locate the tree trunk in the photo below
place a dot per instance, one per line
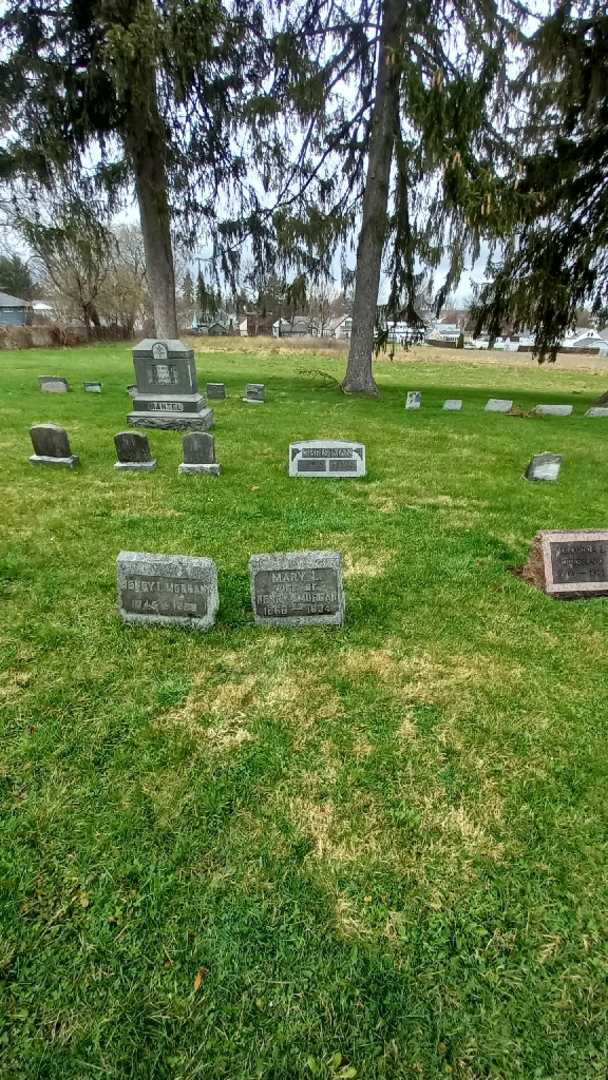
(359, 377)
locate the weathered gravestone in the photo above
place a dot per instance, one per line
(132, 390)
(297, 588)
(167, 393)
(53, 384)
(331, 458)
(167, 590)
(255, 394)
(544, 467)
(452, 405)
(199, 454)
(216, 391)
(92, 387)
(133, 451)
(598, 411)
(498, 405)
(413, 399)
(553, 410)
(569, 565)
(52, 446)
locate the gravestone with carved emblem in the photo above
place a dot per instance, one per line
(167, 391)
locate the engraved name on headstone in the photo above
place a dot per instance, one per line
(133, 451)
(297, 588)
(413, 399)
(199, 455)
(216, 391)
(329, 458)
(498, 405)
(52, 446)
(544, 467)
(553, 410)
(167, 590)
(53, 384)
(452, 405)
(255, 393)
(167, 392)
(570, 565)
(92, 387)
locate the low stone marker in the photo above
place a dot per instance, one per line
(132, 390)
(216, 391)
(597, 411)
(167, 590)
(53, 384)
(330, 458)
(498, 405)
(553, 410)
(569, 565)
(255, 394)
(133, 452)
(52, 446)
(413, 399)
(452, 405)
(297, 588)
(92, 387)
(199, 454)
(544, 467)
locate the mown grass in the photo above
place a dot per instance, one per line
(377, 851)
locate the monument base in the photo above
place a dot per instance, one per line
(191, 469)
(146, 466)
(173, 421)
(63, 462)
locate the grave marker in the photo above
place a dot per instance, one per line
(92, 387)
(167, 393)
(413, 399)
(199, 455)
(598, 411)
(52, 446)
(255, 394)
(569, 565)
(498, 405)
(53, 384)
(452, 405)
(133, 451)
(329, 458)
(167, 590)
(297, 588)
(544, 467)
(553, 410)
(216, 391)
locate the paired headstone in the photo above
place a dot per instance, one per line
(297, 588)
(544, 467)
(499, 405)
(167, 394)
(167, 590)
(569, 565)
(553, 410)
(199, 454)
(133, 451)
(92, 387)
(53, 384)
(216, 391)
(52, 446)
(597, 411)
(328, 458)
(255, 393)
(413, 399)
(452, 405)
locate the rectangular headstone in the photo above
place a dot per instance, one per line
(329, 458)
(297, 588)
(92, 387)
(598, 411)
(167, 390)
(255, 393)
(544, 467)
(553, 410)
(452, 405)
(133, 451)
(199, 455)
(570, 565)
(216, 391)
(499, 405)
(413, 399)
(53, 384)
(167, 590)
(52, 446)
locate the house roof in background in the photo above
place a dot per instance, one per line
(6, 300)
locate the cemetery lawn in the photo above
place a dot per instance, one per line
(376, 852)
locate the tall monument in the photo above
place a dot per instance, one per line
(167, 392)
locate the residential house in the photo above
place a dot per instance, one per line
(299, 326)
(14, 312)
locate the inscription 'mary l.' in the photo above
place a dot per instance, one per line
(328, 458)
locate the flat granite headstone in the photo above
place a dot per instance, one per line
(52, 446)
(255, 393)
(216, 391)
(598, 411)
(167, 590)
(53, 384)
(330, 458)
(297, 588)
(167, 391)
(133, 451)
(554, 410)
(544, 467)
(413, 399)
(92, 387)
(199, 455)
(569, 565)
(498, 405)
(452, 405)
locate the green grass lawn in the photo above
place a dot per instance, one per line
(378, 851)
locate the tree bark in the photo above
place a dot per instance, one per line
(359, 377)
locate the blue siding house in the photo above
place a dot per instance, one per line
(13, 312)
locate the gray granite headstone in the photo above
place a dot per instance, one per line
(598, 411)
(133, 452)
(167, 590)
(52, 446)
(199, 455)
(544, 467)
(553, 410)
(216, 391)
(452, 405)
(53, 384)
(297, 588)
(498, 405)
(570, 565)
(255, 393)
(413, 399)
(92, 387)
(329, 458)
(167, 391)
